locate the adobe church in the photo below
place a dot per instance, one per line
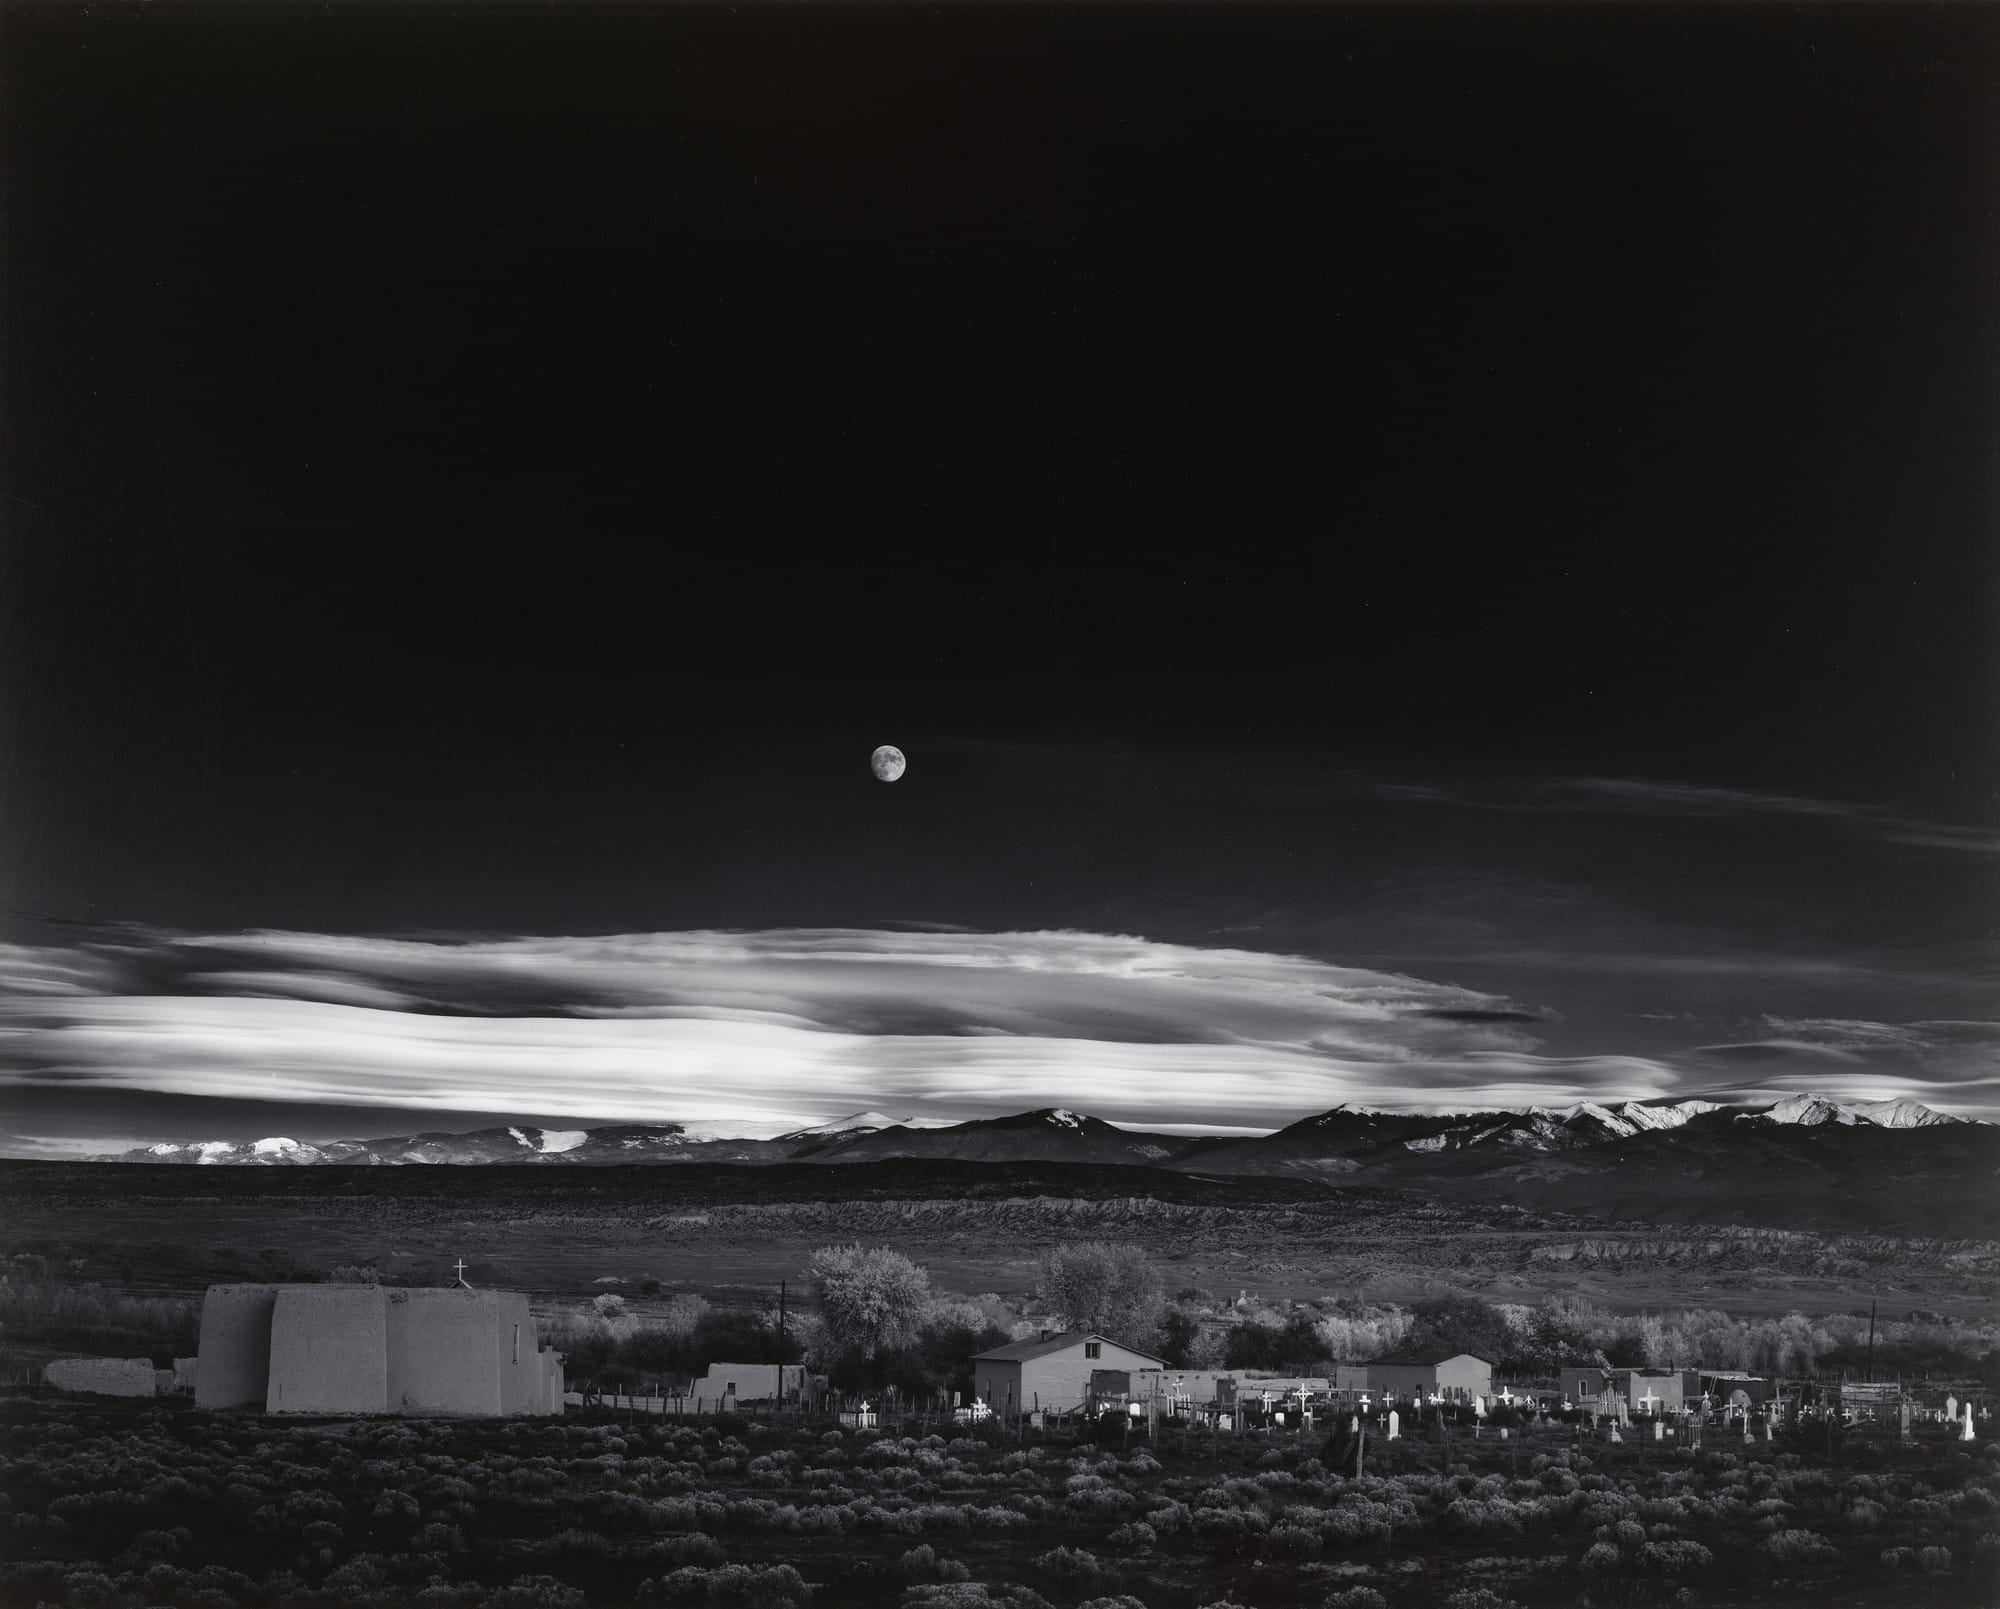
(341, 1349)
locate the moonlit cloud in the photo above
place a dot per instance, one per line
(768, 1030)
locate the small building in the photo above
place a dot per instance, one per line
(750, 1382)
(1454, 1376)
(1723, 1386)
(1657, 1391)
(1583, 1382)
(368, 1349)
(1052, 1372)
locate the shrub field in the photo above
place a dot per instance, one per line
(111, 1504)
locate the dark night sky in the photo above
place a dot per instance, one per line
(1500, 495)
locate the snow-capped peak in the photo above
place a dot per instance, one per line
(1670, 1116)
(555, 1141)
(1890, 1114)
(858, 1120)
(1810, 1110)
(1900, 1114)
(276, 1146)
(1067, 1119)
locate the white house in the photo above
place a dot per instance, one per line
(1054, 1371)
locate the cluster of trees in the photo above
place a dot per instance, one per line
(54, 1304)
(873, 1320)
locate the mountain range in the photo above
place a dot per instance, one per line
(1347, 1139)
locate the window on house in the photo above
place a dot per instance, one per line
(1093, 1349)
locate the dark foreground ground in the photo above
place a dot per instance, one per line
(111, 1504)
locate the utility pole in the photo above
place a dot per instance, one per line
(781, 1321)
(1871, 1338)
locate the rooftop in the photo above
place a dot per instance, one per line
(1022, 1351)
(1423, 1360)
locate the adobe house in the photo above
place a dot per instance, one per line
(1657, 1391)
(341, 1349)
(1454, 1376)
(1052, 1372)
(751, 1382)
(1724, 1385)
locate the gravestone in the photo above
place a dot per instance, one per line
(1396, 1425)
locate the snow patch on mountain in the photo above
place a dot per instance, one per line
(1813, 1110)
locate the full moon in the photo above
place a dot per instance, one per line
(887, 762)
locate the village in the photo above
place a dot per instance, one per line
(870, 1440)
(364, 1348)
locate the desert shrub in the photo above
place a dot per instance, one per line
(1354, 1598)
(925, 1563)
(1479, 1598)
(1134, 1534)
(1123, 1600)
(1676, 1556)
(1799, 1553)
(971, 1595)
(536, 1592)
(730, 1586)
(1291, 1544)
(1934, 1561)
(1603, 1558)
(1073, 1567)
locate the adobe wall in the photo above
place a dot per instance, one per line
(329, 1350)
(755, 1382)
(184, 1373)
(449, 1349)
(235, 1348)
(107, 1377)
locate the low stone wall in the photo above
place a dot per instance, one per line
(107, 1377)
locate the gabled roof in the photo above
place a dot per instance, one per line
(1423, 1360)
(1022, 1351)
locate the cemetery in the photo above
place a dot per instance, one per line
(139, 1502)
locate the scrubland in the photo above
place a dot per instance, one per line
(111, 1505)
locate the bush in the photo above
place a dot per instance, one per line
(1070, 1566)
(1354, 1598)
(1674, 1557)
(925, 1563)
(731, 1586)
(1800, 1553)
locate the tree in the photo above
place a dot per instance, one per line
(872, 1301)
(1295, 1346)
(1113, 1289)
(1460, 1324)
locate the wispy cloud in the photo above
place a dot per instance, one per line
(1655, 797)
(793, 1026)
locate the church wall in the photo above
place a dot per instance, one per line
(329, 1350)
(235, 1347)
(446, 1350)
